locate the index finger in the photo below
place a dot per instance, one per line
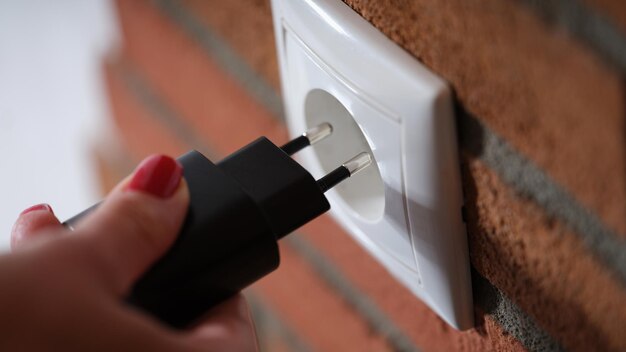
(135, 225)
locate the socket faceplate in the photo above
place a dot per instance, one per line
(406, 208)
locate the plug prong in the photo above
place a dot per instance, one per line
(318, 132)
(358, 163)
(308, 138)
(347, 169)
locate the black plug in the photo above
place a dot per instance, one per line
(239, 208)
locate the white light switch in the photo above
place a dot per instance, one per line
(405, 209)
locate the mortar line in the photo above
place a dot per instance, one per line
(358, 300)
(224, 55)
(362, 304)
(166, 116)
(516, 170)
(264, 316)
(496, 304)
(590, 26)
(511, 317)
(159, 109)
(374, 317)
(502, 313)
(530, 181)
(507, 314)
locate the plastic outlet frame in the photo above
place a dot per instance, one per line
(406, 209)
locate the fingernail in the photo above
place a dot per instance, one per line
(158, 175)
(42, 206)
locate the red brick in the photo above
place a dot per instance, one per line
(157, 64)
(612, 10)
(406, 311)
(542, 266)
(547, 94)
(535, 101)
(195, 86)
(134, 123)
(265, 125)
(294, 291)
(246, 26)
(310, 307)
(111, 165)
(428, 331)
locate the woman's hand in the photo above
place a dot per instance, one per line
(64, 290)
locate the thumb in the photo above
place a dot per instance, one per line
(31, 225)
(136, 223)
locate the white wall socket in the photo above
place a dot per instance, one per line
(405, 209)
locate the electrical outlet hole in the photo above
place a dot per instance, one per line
(364, 193)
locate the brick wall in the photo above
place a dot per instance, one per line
(541, 105)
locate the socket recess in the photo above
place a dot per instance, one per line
(405, 209)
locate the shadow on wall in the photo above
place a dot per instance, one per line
(554, 314)
(624, 113)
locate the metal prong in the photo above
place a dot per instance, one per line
(308, 138)
(358, 163)
(344, 171)
(318, 132)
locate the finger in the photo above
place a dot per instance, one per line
(228, 326)
(136, 223)
(108, 326)
(33, 223)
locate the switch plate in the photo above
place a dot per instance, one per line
(406, 208)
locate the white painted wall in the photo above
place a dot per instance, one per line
(52, 103)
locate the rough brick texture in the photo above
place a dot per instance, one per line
(613, 10)
(557, 102)
(529, 82)
(289, 286)
(246, 33)
(534, 259)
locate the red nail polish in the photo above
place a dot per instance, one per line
(42, 206)
(158, 175)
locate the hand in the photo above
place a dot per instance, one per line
(64, 290)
